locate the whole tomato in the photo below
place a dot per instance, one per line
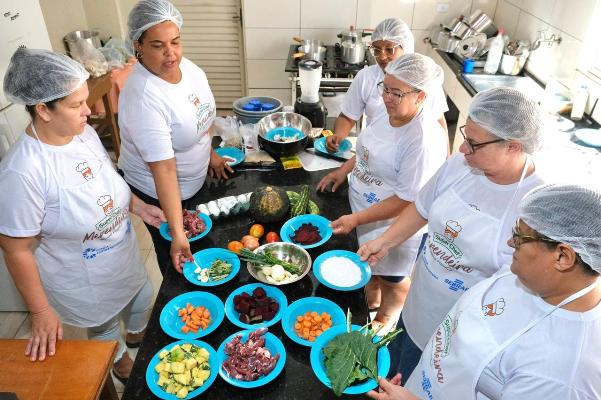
(272, 237)
(257, 231)
(235, 246)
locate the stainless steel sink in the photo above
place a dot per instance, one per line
(523, 83)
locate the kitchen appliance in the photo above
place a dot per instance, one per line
(353, 52)
(309, 103)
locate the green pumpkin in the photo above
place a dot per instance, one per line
(269, 204)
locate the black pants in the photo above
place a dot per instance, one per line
(161, 245)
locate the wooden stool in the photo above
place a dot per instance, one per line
(100, 88)
(79, 370)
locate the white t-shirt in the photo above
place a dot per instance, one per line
(160, 120)
(363, 96)
(479, 192)
(558, 359)
(27, 180)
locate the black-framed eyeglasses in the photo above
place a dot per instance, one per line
(519, 239)
(396, 96)
(473, 146)
(379, 51)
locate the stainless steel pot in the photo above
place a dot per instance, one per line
(353, 53)
(312, 52)
(354, 35)
(77, 40)
(482, 23)
(463, 30)
(446, 42)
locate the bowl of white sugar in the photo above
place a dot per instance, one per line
(341, 270)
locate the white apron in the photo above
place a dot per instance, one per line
(370, 183)
(90, 264)
(463, 345)
(461, 250)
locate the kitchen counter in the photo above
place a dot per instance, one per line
(297, 380)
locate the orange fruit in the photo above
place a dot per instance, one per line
(235, 246)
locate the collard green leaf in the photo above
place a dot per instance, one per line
(339, 364)
(366, 352)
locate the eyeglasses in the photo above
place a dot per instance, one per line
(519, 239)
(387, 51)
(396, 96)
(473, 146)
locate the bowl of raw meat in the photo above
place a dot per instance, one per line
(307, 231)
(196, 226)
(249, 359)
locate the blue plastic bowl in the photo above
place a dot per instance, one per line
(273, 292)
(164, 228)
(320, 145)
(272, 343)
(205, 258)
(152, 376)
(317, 361)
(287, 132)
(231, 152)
(172, 324)
(323, 224)
(300, 307)
(363, 266)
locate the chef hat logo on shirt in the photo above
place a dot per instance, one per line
(85, 170)
(496, 308)
(452, 229)
(106, 202)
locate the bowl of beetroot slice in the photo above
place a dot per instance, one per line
(255, 306)
(307, 231)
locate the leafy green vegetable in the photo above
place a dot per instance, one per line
(352, 356)
(267, 258)
(219, 270)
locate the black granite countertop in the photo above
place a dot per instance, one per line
(297, 380)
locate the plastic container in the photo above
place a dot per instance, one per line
(250, 110)
(468, 65)
(579, 98)
(495, 52)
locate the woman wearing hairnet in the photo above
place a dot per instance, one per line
(396, 155)
(469, 206)
(391, 39)
(532, 332)
(65, 230)
(165, 111)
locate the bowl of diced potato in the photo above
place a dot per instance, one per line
(182, 370)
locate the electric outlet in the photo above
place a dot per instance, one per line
(442, 7)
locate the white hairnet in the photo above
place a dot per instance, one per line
(416, 70)
(39, 76)
(569, 214)
(509, 114)
(396, 31)
(148, 13)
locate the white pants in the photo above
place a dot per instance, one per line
(134, 316)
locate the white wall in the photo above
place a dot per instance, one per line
(573, 21)
(62, 17)
(269, 26)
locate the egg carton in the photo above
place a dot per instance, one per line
(226, 206)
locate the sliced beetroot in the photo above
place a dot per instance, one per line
(306, 234)
(255, 308)
(259, 293)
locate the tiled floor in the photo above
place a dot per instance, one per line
(17, 325)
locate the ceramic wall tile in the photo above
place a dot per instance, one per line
(267, 74)
(426, 14)
(486, 6)
(328, 36)
(271, 14)
(576, 21)
(507, 16)
(419, 36)
(541, 9)
(268, 44)
(371, 12)
(328, 14)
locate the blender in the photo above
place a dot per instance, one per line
(309, 104)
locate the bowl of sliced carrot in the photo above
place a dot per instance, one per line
(306, 319)
(192, 315)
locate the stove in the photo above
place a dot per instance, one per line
(333, 67)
